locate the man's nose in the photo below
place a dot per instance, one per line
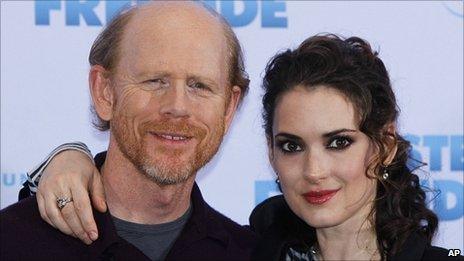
(175, 101)
(315, 169)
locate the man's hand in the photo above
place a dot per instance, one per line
(73, 175)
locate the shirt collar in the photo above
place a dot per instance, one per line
(206, 219)
(202, 223)
(107, 235)
(108, 240)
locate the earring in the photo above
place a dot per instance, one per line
(277, 180)
(385, 174)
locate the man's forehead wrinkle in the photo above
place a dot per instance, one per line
(174, 60)
(173, 69)
(135, 76)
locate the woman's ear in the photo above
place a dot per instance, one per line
(101, 92)
(390, 144)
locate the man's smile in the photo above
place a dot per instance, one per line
(172, 138)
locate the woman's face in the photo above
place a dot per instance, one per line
(321, 157)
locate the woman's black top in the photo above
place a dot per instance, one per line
(283, 233)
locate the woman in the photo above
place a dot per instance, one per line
(330, 121)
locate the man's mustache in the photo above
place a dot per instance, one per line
(181, 128)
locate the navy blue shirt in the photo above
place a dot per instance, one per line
(207, 235)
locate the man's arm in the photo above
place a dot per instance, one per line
(68, 172)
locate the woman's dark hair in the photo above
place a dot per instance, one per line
(352, 68)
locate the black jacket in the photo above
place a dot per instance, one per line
(208, 235)
(280, 228)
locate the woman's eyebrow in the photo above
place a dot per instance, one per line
(337, 131)
(288, 136)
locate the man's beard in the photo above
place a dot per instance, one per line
(164, 166)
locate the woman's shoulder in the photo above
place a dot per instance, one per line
(433, 253)
(269, 212)
(417, 247)
(279, 228)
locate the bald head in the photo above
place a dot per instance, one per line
(171, 34)
(163, 16)
(193, 12)
(182, 27)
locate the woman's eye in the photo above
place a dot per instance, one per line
(339, 143)
(290, 147)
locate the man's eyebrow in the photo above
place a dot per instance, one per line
(335, 132)
(161, 74)
(288, 136)
(207, 80)
(147, 74)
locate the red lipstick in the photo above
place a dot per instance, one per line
(320, 197)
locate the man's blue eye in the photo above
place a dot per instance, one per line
(198, 85)
(158, 80)
(290, 147)
(339, 143)
(156, 83)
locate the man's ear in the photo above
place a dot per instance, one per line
(232, 106)
(390, 143)
(101, 92)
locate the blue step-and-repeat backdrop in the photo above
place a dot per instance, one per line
(45, 100)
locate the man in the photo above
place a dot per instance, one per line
(165, 79)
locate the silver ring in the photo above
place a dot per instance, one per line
(61, 202)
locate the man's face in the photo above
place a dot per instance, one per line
(171, 94)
